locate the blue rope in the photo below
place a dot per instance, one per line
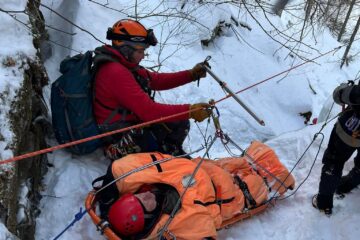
(78, 216)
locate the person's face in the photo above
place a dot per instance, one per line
(147, 199)
(138, 55)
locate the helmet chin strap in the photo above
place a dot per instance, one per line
(126, 50)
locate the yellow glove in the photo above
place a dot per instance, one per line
(198, 71)
(201, 113)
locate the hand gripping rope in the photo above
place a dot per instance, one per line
(61, 146)
(225, 139)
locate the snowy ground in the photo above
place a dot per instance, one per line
(278, 102)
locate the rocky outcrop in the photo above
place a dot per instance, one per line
(20, 182)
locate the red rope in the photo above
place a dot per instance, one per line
(278, 74)
(50, 149)
(47, 150)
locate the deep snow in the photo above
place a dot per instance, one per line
(278, 102)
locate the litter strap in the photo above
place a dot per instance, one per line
(244, 188)
(77, 218)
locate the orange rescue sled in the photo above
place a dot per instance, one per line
(260, 156)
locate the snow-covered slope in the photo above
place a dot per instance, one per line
(16, 46)
(278, 102)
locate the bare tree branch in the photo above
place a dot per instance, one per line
(67, 20)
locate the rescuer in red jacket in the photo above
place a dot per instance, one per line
(124, 95)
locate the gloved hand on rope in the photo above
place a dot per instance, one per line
(198, 71)
(203, 111)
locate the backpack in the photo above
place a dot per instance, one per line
(72, 100)
(72, 103)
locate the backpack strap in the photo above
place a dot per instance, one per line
(143, 82)
(104, 56)
(114, 111)
(68, 124)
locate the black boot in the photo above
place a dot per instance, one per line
(323, 203)
(349, 182)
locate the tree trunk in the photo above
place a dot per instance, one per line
(326, 11)
(350, 43)
(346, 20)
(279, 7)
(308, 7)
(337, 15)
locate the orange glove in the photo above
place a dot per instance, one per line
(198, 71)
(201, 113)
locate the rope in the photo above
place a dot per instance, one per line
(144, 167)
(77, 218)
(221, 135)
(162, 119)
(311, 168)
(65, 145)
(308, 147)
(254, 165)
(189, 182)
(81, 213)
(278, 74)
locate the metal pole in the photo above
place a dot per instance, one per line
(188, 184)
(224, 86)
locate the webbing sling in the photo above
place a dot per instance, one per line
(217, 200)
(244, 188)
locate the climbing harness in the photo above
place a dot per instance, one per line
(225, 139)
(251, 208)
(69, 144)
(65, 145)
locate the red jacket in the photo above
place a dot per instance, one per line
(115, 86)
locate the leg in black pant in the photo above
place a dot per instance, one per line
(170, 136)
(352, 179)
(334, 159)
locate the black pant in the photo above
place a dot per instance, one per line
(335, 156)
(163, 137)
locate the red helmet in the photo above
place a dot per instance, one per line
(126, 215)
(130, 32)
